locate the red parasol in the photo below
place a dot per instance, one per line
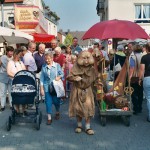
(44, 38)
(119, 29)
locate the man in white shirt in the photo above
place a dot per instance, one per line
(28, 58)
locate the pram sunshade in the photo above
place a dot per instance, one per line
(24, 88)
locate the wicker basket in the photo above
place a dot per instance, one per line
(121, 101)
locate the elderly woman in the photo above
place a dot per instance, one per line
(14, 66)
(60, 59)
(81, 98)
(145, 71)
(50, 71)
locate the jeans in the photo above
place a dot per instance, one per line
(49, 100)
(146, 86)
(4, 87)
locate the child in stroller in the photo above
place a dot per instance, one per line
(25, 88)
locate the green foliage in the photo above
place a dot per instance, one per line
(60, 45)
(68, 40)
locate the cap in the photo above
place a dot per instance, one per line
(120, 47)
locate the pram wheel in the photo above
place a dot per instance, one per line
(40, 117)
(37, 123)
(13, 120)
(8, 124)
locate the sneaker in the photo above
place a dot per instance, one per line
(57, 116)
(3, 108)
(49, 122)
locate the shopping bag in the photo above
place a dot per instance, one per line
(117, 67)
(59, 88)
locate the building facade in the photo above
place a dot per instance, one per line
(137, 11)
(29, 16)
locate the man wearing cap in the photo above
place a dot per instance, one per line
(119, 58)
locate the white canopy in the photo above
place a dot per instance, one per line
(14, 36)
(139, 41)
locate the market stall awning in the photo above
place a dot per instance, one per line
(44, 38)
(12, 36)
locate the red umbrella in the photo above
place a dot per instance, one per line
(44, 38)
(120, 29)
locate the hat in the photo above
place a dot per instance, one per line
(120, 47)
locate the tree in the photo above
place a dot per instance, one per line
(68, 40)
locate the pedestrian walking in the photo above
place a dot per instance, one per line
(40, 61)
(5, 82)
(145, 72)
(28, 58)
(15, 65)
(81, 104)
(50, 71)
(137, 95)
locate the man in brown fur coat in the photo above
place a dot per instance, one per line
(81, 99)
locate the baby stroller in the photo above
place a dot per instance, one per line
(25, 87)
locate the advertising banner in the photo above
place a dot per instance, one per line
(26, 16)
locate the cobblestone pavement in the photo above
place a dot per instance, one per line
(61, 136)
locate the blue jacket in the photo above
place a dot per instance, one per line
(48, 74)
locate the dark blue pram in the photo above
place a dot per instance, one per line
(25, 87)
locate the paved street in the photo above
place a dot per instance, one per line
(60, 135)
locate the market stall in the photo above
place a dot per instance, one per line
(117, 100)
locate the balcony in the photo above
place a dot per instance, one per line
(100, 6)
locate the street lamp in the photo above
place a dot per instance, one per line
(2, 2)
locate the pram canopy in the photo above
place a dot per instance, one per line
(24, 87)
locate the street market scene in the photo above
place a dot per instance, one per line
(74, 74)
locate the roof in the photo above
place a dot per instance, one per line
(79, 35)
(13, 1)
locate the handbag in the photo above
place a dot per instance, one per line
(59, 87)
(134, 79)
(51, 89)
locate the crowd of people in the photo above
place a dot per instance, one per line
(78, 71)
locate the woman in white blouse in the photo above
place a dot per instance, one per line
(15, 65)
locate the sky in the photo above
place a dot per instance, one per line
(76, 15)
